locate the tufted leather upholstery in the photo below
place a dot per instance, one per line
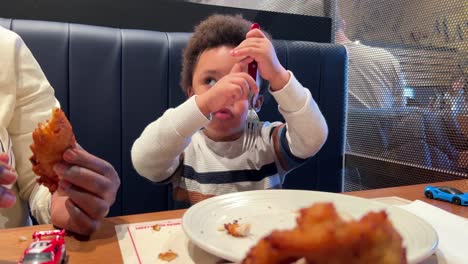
(113, 82)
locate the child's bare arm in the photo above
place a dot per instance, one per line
(156, 153)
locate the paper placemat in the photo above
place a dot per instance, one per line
(141, 243)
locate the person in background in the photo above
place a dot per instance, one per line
(88, 184)
(375, 79)
(199, 145)
(457, 95)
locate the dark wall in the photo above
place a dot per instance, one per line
(162, 16)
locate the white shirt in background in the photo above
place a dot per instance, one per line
(26, 98)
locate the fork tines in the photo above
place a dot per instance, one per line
(252, 130)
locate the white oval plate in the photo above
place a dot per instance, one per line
(266, 210)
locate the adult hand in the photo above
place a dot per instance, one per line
(7, 177)
(87, 188)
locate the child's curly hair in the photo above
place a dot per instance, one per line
(215, 31)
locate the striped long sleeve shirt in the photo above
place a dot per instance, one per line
(174, 149)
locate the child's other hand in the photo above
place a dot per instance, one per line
(232, 87)
(258, 47)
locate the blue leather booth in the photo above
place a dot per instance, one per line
(113, 82)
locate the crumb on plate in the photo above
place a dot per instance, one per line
(237, 230)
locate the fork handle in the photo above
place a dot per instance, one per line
(252, 70)
(252, 67)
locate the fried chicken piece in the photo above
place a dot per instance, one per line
(168, 255)
(321, 236)
(50, 140)
(237, 230)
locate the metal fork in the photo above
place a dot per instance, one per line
(252, 128)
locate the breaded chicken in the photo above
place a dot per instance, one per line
(51, 139)
(321, 236)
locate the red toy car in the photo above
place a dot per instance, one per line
(49, 250)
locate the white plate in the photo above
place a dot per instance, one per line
(276, 209)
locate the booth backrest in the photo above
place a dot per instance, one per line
(113, 82)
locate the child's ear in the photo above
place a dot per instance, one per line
(189, 92)
(259, 103)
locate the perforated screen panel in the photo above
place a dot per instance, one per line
(407, 112)
(407, 103)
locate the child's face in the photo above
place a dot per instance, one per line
(213, 64)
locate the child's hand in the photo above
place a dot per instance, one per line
(258, 47)
(232, 87)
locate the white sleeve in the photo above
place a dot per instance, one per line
(33, 102)
(156, 153)
(306, 128)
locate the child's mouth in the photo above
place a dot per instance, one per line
(223, 114)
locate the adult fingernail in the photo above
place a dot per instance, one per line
(76, 210)
(69, 155)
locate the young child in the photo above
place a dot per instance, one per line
(198, 146)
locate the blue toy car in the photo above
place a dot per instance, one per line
(448, 194)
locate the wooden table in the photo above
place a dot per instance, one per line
(416, 192)
(103, 246)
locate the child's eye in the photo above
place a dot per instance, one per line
(210, 81)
